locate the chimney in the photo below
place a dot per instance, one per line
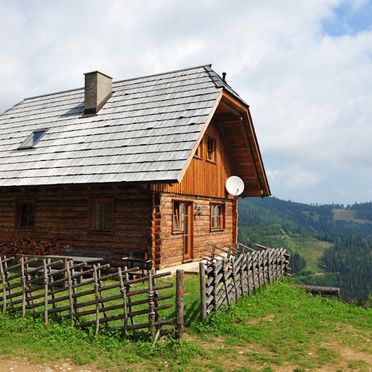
(98, 89)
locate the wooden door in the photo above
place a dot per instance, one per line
(186, 228)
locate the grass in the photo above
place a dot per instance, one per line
(347, 215)
(278, 326)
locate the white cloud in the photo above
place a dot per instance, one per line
(310, 92)
(294, 176)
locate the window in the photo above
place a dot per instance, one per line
(217, 216)
(199, 151)
(26, 215)
(211, 149)
(101, 215)
(32, 139)
(179, 216)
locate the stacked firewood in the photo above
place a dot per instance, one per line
(30, 246)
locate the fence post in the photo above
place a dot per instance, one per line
(23, 286)
(203, 293)
(180, 302)
(2, 274)
(46, 291)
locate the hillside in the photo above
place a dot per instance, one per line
(330, 244)
(279, 328)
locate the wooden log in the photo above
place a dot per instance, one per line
(320, 290)
(180, 303)
(203, 295)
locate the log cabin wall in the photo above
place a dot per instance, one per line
(63, 214)
(168, 245)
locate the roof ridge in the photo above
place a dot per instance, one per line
(163, 73)
(120, 81)
(219, 82)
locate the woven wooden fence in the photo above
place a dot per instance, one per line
(224, 279)
(98, 296)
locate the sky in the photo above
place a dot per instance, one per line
(304, 67)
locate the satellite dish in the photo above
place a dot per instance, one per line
(234, 185)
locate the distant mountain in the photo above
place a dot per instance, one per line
(329, 244)
(327, 221)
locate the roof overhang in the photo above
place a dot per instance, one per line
(236, 124)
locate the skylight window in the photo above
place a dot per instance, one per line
(32, 139)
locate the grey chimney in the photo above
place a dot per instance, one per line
(98, 89)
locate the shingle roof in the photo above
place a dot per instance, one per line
(145, 132)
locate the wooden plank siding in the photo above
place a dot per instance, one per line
(63, 214)
(205, 178)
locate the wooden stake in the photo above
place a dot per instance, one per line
(95, 277)
(2, 273)
(180, 302)
(203, 294)
(46, 289)
(151, 305)
(23, 286)
(70, 291)
(125, 300)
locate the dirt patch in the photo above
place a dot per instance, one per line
(349, 354)
(268, 318)
(25, 366)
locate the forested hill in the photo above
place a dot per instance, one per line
(328, 221)
(329, 244)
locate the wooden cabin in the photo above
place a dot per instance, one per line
(132, 168)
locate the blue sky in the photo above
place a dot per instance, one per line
(304, 67)
(349, 18)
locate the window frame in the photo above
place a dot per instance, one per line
(91, 215)
(199, 151)
(19, 205)
(23, 145)
(179, 201)
(214, 141)
(221, 216)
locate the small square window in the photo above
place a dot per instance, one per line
(32, 139)
(101, 215)
(211, 149)
(217, 216)
(26, 215)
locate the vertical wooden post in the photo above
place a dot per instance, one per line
(215, 284)
(46, 289)
(70, 291)
(243, 283)
(123, 291)
(23, 286)
(224, 278)
(2, 274)
(129, 302)
(96, 288)
(233, 269)
(151, 305)
(203, 293)
(180, 302)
